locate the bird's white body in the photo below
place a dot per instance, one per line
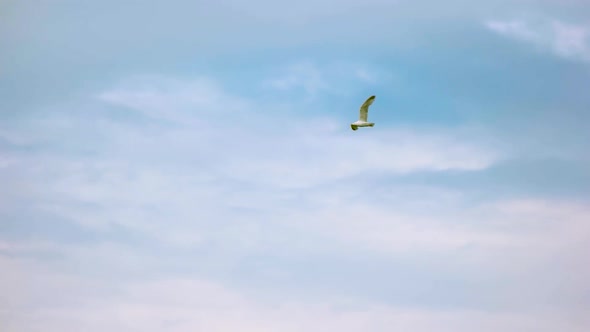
(355, 125)
(364, 112)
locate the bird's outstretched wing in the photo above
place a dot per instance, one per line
(365, 108)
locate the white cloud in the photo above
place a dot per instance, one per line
(565, 40)
(302, 75)
(572, 41)
(182, 304)
(339, 78)
(219, 151)
(226, 178)
(189, 102)
(311, 149)
(124, 288)
(516, 29)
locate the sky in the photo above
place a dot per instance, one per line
(189, 166)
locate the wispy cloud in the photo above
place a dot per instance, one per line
(207, 200)
(200, 155)
(305, 76)
(182, 206)
(565, 40)
(332, 151)
(310, 79)
(227, 191)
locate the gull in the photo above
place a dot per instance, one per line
(364, 112)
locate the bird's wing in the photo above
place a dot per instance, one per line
(365, 108)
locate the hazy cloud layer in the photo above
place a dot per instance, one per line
(190, 166)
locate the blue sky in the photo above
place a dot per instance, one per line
(189, 166)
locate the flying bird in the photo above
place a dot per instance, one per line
(364, 112)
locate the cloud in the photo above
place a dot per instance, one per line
(206, 147)
(565, 40)
(328, 78)
(188, 304)
(302, 75)
(241, 199)
(206, 205)
(272, 144)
